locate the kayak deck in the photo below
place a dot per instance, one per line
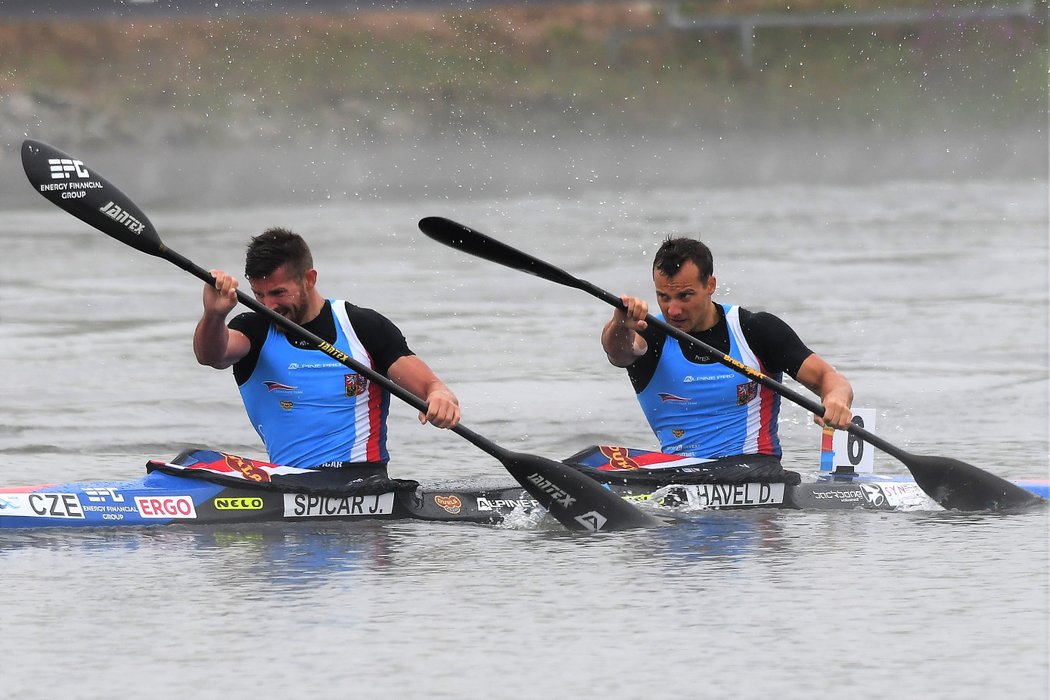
(162, 499)
(166, 495)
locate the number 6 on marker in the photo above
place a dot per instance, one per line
(851, 452)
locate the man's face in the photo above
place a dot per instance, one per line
(287, 295)
(684, 300)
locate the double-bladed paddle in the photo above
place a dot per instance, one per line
(951, 483)
(578, 502)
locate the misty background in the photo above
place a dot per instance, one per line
(233, 103)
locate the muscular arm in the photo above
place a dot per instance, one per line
(833, 389)
(213, 343)
(620, 338)
(414, 375)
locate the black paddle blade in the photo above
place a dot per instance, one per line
(575, 500)
(956, 485)
(460, 237)
(68, 184)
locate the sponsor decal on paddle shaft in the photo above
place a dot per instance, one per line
(301, 505)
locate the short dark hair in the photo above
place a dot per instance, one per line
(675, 252)
(275, 247)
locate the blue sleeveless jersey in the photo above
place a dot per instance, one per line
(310, 409)
(709, 410)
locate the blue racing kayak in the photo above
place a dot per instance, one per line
(203, 486)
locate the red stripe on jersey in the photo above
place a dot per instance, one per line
(375, 420)
(767, 400)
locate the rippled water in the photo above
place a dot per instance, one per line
(931, 297)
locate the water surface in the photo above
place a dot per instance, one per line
(931, 297)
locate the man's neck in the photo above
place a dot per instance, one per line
(315, 307)
(710, 320)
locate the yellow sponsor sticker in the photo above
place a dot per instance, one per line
(251, 503)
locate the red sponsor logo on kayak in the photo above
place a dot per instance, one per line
(165, 506)
(618, 458)
(249, 471)
(452, 504)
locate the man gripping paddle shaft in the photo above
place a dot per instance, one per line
(576, 501)
(694, 404)
(309, 410)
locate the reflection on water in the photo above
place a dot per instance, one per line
(290, 559)
(717, 538)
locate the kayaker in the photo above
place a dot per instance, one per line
(695, 405)
(310, 410)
